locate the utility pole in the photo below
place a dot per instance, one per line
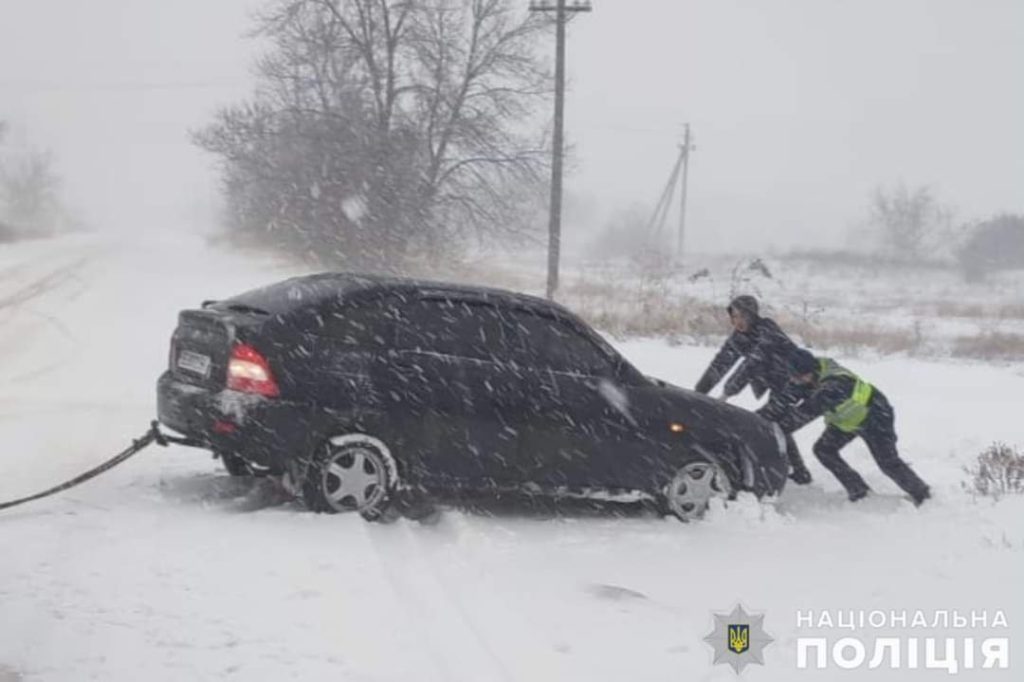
(561, 9)
(686, 149)
(658, 219)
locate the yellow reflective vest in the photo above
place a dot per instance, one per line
(850, 414)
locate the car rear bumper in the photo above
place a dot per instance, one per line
(266, 431)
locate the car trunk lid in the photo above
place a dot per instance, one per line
(202, 343)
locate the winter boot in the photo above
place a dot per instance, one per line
(858, 494)
(800, 475)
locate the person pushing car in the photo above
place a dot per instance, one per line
(765, 350)
(852, 408)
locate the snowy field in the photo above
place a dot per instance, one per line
(853, 306)
(167, 569)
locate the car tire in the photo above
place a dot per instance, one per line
(688, 495)
(348, 473)
(235, 465)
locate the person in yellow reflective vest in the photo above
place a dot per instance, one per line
(852, 408)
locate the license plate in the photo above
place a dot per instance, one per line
(194, 362)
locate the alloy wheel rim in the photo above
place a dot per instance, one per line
(693, 488)
(353, 479)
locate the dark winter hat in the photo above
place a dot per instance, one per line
(802, 362)
(746, 305)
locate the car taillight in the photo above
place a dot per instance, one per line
(249, 372)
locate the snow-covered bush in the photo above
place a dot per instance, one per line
(996, 244)
(911, 222)
(998, 471)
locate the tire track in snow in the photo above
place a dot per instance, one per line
(438, 617)
(12, 305)
(12, 272)
(48, 282)
(454, 601)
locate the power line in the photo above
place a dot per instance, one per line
(128, 86)
(658, 132)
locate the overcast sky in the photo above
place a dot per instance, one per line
(798, 107)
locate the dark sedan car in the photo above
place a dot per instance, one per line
(362, 389)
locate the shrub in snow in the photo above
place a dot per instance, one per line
(998, 471)
(910, 221)
(996, 244)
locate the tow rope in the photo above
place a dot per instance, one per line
(151, 436)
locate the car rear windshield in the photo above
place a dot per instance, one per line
(288, 295)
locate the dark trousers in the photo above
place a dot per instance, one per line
(778, 408)
(879, 433)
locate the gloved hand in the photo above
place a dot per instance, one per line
(800, 475)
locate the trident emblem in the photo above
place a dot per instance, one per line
(739, 638)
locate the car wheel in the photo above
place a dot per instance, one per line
(691, 490)
(235, 465)
(350, 473)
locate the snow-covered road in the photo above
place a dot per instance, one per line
(167, 569)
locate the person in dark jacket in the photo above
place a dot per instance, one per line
(852, 408)
(765, 350)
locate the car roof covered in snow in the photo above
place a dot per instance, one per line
(299, 292)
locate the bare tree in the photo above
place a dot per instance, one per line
(383, 127)
(908, 220)
(29, 193)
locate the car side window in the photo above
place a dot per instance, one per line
(555, 344)
(362, 325)
(452, 327)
